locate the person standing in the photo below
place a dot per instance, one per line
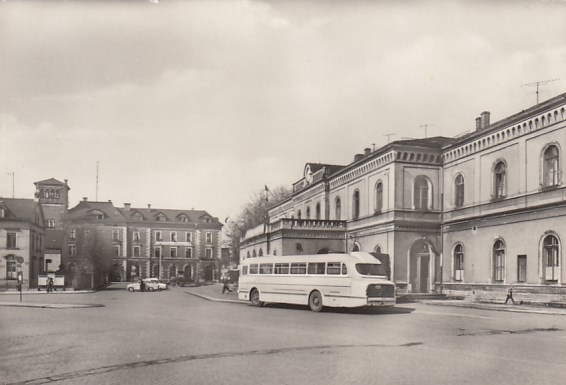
(142, 285)
(50, 285)
(510, 296)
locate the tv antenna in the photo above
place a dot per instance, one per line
(425, 126)
(537, 84)
(389, 136)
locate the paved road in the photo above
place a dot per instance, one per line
(174, 338)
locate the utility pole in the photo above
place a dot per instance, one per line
(537, 84)
(426, 126)
(389, 136)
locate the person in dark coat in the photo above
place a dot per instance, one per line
(50, 285)
(142, 285)
(510, 296)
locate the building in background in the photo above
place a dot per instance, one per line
(22, 233)
(471, 214)
(53, 196)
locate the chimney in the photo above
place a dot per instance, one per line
(85, 199)
(149, 207)
(358, 157)
(478, 123)
(367, 151)
(127, 207)
(484, 119)
(109, 201)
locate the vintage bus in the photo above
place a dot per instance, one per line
(335, 280)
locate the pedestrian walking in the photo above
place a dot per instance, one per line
(226, 287)
(510, 296)
(50, 285)
(142, 285)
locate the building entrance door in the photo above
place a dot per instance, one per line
(419, 267)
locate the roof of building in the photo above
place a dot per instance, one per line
(86, 208)
(433, 142)
(172, 215)
(19, 208)
(52, 181)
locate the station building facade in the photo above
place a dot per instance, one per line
(469, 214)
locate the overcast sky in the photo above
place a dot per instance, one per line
(198, 104)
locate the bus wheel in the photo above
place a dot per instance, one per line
(315, 301)
(254, 298)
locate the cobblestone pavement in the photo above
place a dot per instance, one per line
(172, 337)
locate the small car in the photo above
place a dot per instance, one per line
(151, 284)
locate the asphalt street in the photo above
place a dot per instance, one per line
(173, 337)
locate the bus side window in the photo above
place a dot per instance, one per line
(266, 268)
(298, 268)
(344, 269)
(333, 268)
(317, 268)
(244, 270)
(281, 268)
(253, 269)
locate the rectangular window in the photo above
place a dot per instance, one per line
(11, 272)
(298, 268)
(116, 250)
(253, 269)
(208, 252)
(244, 270)
(115, 235)
(333, 268)
(137, 236)
(208, 237)
(157, 251)
(521, 268)
(72, 251)
(317, 268)
(137, 251)
(158, 236)
(281, 268)
(173, 236)
(11, 241)
(266, 268)
(189, 237)
(188, 252)
(173, 252)
(73, 234)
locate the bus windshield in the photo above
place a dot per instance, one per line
(370, 269)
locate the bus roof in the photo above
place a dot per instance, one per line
(357, 256)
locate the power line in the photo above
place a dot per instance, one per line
(537, 84)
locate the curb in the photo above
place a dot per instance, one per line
(49, 306)
(209, 298)
(496, 307)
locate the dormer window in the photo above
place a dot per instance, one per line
(183, 218)
(95, 214)
(137, 217)
(160, 217)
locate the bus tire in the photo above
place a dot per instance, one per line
(315, 301)
(254, 298)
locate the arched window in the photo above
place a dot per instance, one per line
(356, 247)
(459, 262)
(551, 167)
(338, 209)
(248, 254)
(499, 261)
(500, 180)
(378, 197)
(421, 196)
(550, 258)
(317, 210)
(260, 252)
(356, 205)
(299, 214)
(308, 212)
(459, 191)
(254, 254)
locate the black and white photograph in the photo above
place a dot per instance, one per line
(263, 192)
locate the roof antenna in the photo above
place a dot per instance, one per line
(389, 136)
(537, 84)
(426, 126)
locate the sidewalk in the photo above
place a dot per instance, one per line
(214, 293)
(49, 305)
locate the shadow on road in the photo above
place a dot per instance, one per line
(344, 310)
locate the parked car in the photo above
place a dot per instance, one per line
(151, 284)
(178, 281)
